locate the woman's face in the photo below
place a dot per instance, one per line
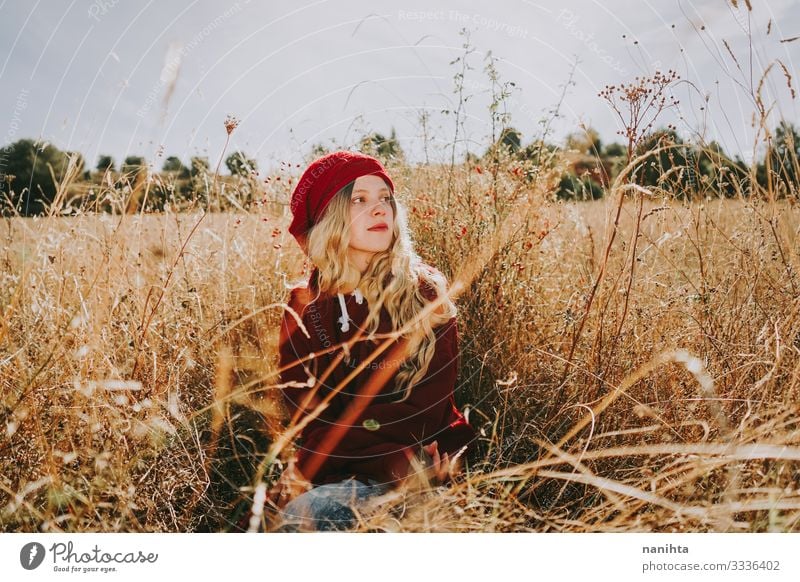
(370, 209)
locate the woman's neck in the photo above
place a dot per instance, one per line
(359, 259)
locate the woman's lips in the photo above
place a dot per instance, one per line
(379, 228)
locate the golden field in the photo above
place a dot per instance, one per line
(618, 383)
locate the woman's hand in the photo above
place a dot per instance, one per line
(440, 468)
(289, 485)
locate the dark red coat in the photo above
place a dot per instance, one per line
(375, 445)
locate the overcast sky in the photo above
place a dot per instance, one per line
(124, 77)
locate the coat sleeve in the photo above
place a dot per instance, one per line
(294, 345)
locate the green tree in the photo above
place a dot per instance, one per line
(240, 165)
(382, 147)
(171, 186)
(785, 157)
(674, 169)
(25, 176)
(614, 150)
(510, 140)
(572, 187)
(723, 175)
(132, 165)
(541, 156)
(173, 164)
(539, 150)
(199, 166)
(80, 163)
(104, 163)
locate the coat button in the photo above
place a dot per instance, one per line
(371, 424)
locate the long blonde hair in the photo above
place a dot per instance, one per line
(392, 279)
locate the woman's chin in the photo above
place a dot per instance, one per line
(377, 246)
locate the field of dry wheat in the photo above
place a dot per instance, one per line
(631, 365)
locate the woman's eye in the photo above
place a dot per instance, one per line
(360, 198)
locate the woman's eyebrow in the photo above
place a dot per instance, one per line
(367, 191)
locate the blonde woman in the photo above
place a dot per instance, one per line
(376, 415)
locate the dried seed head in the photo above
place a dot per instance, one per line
(231, 123)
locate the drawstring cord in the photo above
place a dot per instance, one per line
(344, 320)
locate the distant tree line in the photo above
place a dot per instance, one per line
(30, 173)
(668, 165)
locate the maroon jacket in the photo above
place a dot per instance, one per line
(377, 444)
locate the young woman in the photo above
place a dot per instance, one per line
(365, 413)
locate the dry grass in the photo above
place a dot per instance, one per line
(631, 364)
(138, 354)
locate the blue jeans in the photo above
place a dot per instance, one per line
(329, 507)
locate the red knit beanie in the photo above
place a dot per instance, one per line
(322, 180)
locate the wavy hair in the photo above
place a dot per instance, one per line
(392, 280)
